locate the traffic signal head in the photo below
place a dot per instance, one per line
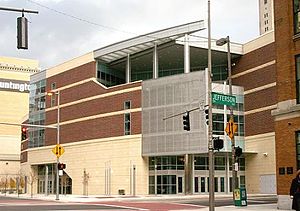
(238, 151)
(61, 166)
(24, 133)
(186, 121)
(22, 31)
(218, 143)
(206, 111)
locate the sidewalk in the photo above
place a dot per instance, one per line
(104, 198)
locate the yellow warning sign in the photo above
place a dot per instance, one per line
(58, 150)
(231, 128)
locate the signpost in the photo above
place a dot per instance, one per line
(58, 150)
(221, 99)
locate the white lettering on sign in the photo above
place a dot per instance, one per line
(21, 86)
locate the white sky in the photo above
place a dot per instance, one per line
(55, 38)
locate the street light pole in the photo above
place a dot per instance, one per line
(58, 141)
(221, 42)
(210, 144)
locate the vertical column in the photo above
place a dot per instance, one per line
(188, 174)
(46, 180)
(186, 54)
(128, 69)
(155, 62)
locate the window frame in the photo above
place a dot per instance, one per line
(297, 79)
(127, 132)
(297, 143)
(296, 16)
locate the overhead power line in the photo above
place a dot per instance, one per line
(93, 23)
(80, 19)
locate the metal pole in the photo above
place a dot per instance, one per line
(234, 173)
(210, 144)
(57, 160)
(18, 10)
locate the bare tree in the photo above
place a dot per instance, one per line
(86, 177)
(31, 179)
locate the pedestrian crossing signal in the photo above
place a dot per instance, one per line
(61, 166)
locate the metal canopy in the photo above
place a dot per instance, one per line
(140, 43)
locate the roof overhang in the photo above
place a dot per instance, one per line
(143, 42)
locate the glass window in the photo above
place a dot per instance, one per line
(219, 163)
(296, 17)
(242, 181)
(298, 148)
(127, 105)
(53, 86)
(201, 163)
(298, 78)
(216, 184)
(222, 184)
(127, 124)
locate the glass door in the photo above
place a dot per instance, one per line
(180, 185)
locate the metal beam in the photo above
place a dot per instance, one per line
(28, 125)
(18, 10)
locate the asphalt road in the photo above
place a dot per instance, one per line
(20, 204)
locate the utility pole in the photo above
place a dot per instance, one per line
(210, 144)
(221, 42)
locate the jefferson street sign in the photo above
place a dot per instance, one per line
(218, 98)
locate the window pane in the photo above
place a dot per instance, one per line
(127, 105)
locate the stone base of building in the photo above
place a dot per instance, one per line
(284, 202)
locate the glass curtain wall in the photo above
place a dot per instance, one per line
(37, 105)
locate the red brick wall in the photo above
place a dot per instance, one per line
(286, 152)
(104, 127)
(259, 122)
(95, 107)
(255, 58)
(110, 126)
(24, 157)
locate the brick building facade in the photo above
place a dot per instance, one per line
(287, 113)
(101, 118)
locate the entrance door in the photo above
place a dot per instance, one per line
(41, 186)
(180, 184)
(202, 184)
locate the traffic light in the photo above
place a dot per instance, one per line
(206, 111)
(22, 31)
(61, 166)
(186, 121)
(24, 133)
(218, 143)
(238, 151)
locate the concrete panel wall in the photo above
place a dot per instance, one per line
(96, 157)
(260, 163)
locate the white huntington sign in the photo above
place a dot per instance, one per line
(14, 85)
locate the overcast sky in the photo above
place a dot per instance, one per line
(55, 36)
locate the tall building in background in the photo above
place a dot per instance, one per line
(14, 101)
(266, 14)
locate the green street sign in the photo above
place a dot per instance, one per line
(221, 99)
